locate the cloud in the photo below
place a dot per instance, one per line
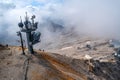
(94, 17)
(11, 10)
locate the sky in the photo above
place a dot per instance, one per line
(94, 17)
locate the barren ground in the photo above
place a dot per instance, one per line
(75, 62)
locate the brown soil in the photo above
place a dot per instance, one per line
(52, 66)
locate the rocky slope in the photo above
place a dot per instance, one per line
(86, 64)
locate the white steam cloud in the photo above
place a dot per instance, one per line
(94, 17)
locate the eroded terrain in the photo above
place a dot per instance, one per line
(75, 62)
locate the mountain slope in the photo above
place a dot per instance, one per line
(52, 66)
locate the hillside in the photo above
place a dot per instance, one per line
(80, 64)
